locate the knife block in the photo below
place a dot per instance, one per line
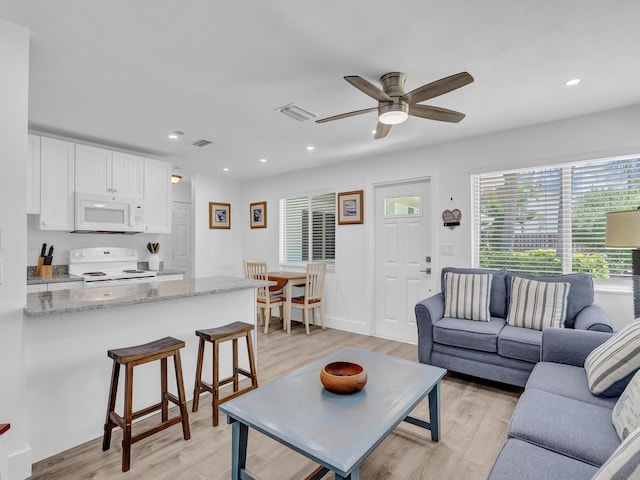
(43, 270)
(39, 267)
(46, 271)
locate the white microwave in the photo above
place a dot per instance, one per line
(98, 213)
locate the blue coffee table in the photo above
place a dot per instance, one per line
(336, 431)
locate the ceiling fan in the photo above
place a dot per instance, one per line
(394, 106)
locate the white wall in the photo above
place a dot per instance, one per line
(349, 288)
(218, 251)
(14, 81)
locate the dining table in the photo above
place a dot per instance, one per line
(287, 280)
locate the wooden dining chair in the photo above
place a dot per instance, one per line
(313, 292)
(266, 300)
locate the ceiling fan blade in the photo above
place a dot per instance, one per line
(381, 130)
(348, 114)
(435, 113)
(368, 88)
(439, 87)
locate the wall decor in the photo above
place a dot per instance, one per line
(350, 207)
(451, 218)
(258, 215)
(219, 215)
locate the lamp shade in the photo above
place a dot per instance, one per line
(176, 178)
(623, 229)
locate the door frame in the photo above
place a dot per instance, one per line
(370, 219)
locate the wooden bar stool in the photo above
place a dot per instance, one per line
(138, 355)
(232, 331)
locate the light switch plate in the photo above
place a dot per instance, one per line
(447, 249)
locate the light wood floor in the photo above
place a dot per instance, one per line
(475, 416)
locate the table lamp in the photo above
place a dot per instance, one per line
(623, 231)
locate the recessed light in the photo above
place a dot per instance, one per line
(263, 160)
(572, 82)
(311, 147)
(225, 169)
(175, 134)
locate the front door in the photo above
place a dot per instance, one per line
(402, 256)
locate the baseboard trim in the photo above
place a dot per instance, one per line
(347, 325)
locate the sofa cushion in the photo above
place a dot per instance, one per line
(626, 413)
(610, 366)
(520, 343)
(470, 334)
(537, 305)
(570, 427)
(467, 295)
(498, 303)
(580, 293)
(565, 380)
(625, 461)
(524, 461)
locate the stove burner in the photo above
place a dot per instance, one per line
(94, 274)
(133, 271)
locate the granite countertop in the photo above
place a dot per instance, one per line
(81, 299)
(33, 280)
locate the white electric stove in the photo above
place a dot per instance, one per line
(107, 266)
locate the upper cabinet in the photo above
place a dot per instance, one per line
(157, 196)
(33, 175)
(102, 171)
(57, 163)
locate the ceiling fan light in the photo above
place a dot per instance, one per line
(393, 118)
(393, 113)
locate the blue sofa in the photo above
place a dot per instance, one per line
(559, 429)
(494, 350)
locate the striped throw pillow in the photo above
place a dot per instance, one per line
(624, 462)
(467, 296)
(537, 305)
(610, 366)
(626, 414)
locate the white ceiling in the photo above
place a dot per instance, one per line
(126, 73)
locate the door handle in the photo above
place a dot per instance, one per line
(426, 270)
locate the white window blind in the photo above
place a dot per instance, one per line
(308, 228)
(551, 220)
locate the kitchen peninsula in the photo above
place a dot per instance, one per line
(67, 334)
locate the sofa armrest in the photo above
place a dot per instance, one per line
(428, 311)
(594, 319)
(569, 346)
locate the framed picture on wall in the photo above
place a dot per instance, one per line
(350, 207)
(258, 215)
(219, 215)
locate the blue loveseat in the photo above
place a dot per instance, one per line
(495, 350)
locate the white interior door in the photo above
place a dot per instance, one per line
(181, 228)
(402, 257)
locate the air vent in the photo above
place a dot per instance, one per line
(295, 111)
(202, 143)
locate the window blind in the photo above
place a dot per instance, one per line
(551, 220)
(307, 228)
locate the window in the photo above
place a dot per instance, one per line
(551, 220)
(308, 229)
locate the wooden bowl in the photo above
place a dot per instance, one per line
(343, 377)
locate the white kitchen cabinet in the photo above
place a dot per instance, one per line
(33, 175)
(103, 171)
(157, 196)
(64, 285)
(37, 287)
(57, 160)
(43, 287)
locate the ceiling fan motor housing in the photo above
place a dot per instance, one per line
(393, 83)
